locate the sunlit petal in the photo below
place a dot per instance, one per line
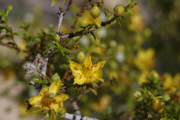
(87, 62)
(54, 87)
(61, 98)
(76, 68)
(35, 100)
(80, 80)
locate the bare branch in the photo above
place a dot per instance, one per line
(75, 106)
(60, 22)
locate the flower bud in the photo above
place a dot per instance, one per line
(80, 57)
(119, 10)
(95, 12)
(57, 38)
(158, 105)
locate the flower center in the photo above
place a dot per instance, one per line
(47, 100)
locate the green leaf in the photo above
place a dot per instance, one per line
(36, 80)
(47, 116)
(62, 112)
(94, 91)
(65, 50)
(119, 23)
(25, 26)
(45, 81)
(95, 35)
(102, 2)
(84, 87)
(51, 45)
(56, 77)
(106, 11)
(94, 85)
(130, 11)
(54, 2)
(97, 25)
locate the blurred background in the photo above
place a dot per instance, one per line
(148, 40)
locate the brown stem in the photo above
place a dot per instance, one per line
(88, 90)
(44, 76)
(68, 7)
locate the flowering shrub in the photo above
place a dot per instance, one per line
(100, 67)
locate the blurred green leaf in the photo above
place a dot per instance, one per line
(54, 2)
(95, 35)
(56, 77)
(106, 11)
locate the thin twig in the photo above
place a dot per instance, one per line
(88, 90)
(68, 6)
(13, 47)
(71, 35)
(44, 76)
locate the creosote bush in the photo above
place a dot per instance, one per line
(82, 72)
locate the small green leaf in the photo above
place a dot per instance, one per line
(130, 11)
(84, 87)
(106, 11)
(47, 116)
(45, 81)
(54, 2)
(94, 85)
(95, 35)
(62, 111)
(119, 23)
(97, 25)
(56, 77)
(36, 80)
(51, 45)
(65, 50)
(102, 2)
(94, 91)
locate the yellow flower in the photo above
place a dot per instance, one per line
(86, 72)
(145, 59)
(48, 99)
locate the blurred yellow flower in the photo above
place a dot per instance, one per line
(48, 99)
(168, 85)
(145, 59)
(102, 104)
(86, 72)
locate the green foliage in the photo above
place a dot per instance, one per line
(130, 89)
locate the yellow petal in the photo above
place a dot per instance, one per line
(98, 74)
(56, 107)
(80, 80)
(99, 66)
(35, 100)
(54, 87)
(90, 80)
(76, 68)
(87, 62)
(43, 91)
(61, 98)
